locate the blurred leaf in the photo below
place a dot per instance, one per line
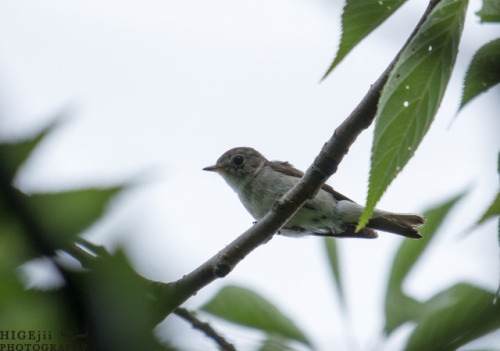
(275, 343)
(22, 309)
(12, 155)
(412, 95)
(400, 308)
(497, 295)
(14, 248)
(333, 259)
(494, 209)
(411, 250)
(64, 215)
(458, 315)
(243, 306)
(360, 18)
(483, 72)
(490, 12)
(119, 313)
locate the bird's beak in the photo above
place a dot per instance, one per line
(214, 168)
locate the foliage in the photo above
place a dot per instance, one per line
(108, 305)
(409, 102)
(360, 18)
(412, 96)
(399, 307)
(483, 73)
(87, 310)
(334, 260)
(245, 307)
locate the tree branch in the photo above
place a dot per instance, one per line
(205, 328)
(325, 164)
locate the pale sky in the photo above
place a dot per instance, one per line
(157, 90)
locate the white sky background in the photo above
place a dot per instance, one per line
(159, 89)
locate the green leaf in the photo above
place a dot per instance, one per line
(64, 215)
(360, 18)
(497, 294)
(410, 250)
(400, 308)
(246, 307)
(483, 72)
(412, 95)
(494, 209)
(119, 312)
(498, 289)
(333, 259)
(12, 155)
(274, 342)
(490, 12)
(22, 309)
(455, 317)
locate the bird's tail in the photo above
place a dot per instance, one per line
(402, 224)
(397, 223)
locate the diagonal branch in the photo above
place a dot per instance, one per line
(224, 345)
(326, 163)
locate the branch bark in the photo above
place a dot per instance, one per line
(326, 163)
(224, 345)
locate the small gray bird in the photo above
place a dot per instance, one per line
(259, 182)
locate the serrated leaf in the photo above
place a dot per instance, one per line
(64, 215)
(13, 155)
(412, 95)
(490, 12)
(245, 307)
(333, 259)
(400, 308)
(360, 18)
(455, 317)
(483, 72)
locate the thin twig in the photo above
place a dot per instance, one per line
(205, 328)
(325, 164)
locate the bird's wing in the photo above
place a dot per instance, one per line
(288, 169)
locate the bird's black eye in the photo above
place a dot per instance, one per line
(238, 160)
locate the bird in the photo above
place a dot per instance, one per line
(260, 182)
